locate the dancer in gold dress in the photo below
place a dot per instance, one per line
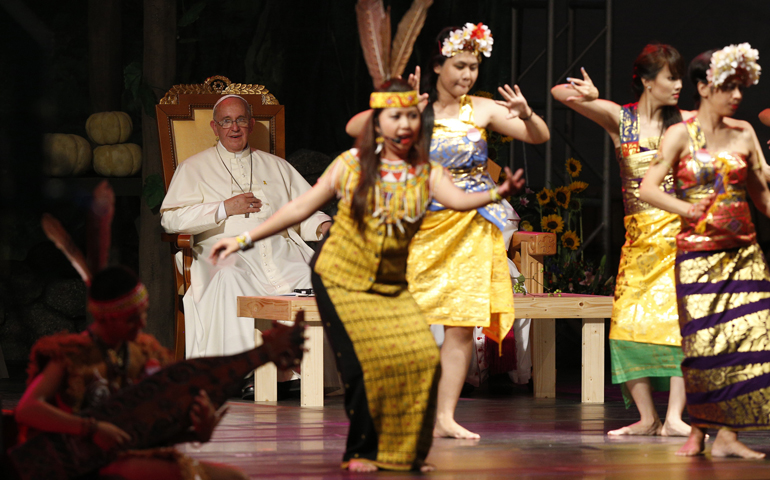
(645, 344)
(385, 351)
(722, 279)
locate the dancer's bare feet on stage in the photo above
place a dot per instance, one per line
(694, 444)
(727, 445)
(675, 428)
(639, 428)
(362, 467)
(451, 429)
(426, 467)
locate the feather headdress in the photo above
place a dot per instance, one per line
(383, 61)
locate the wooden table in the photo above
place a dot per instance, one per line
(543, 309)
(266, 309)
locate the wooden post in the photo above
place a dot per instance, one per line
(592, 379)
(534, 246)
(158, 70)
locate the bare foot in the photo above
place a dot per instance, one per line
(694, 444)
(675, 428)
(638, 428)
(727, 445)
(362, 467)
(451, 429)
(426, 467)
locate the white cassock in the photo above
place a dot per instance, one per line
(275, 265)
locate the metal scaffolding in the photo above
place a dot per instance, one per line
(565, 64)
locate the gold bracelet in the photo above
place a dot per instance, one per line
(495, 195)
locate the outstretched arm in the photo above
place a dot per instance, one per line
(583, 97)
(290, 214)
(757, 179)
(449, 195)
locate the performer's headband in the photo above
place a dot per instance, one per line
(393, 99)
(476, 39)
(734, 60)
(121, 307)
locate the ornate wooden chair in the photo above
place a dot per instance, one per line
(183, 117)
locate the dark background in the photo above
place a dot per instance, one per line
(308, 55)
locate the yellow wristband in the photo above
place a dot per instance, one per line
(495, 195)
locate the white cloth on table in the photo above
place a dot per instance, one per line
(274, 266)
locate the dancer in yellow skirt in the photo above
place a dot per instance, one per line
(458, 272)
(722, 278)
(645, 344)
(385, 351)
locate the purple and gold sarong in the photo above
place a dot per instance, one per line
(724, 312)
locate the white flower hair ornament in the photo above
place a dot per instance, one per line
(740, 60)
(476, 39)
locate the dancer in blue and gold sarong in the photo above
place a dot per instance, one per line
(723, 282)
(645, 344)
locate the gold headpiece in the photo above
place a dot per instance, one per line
(383, 61)
(121, 307)
(393, 99)
(476, 39)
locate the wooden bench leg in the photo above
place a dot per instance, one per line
(266, 376)
(543, 338)
(312, 376)
(592, 388)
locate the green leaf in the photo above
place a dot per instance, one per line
(192, 14)
(153, 191)
(132, 76)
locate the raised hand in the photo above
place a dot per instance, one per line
(585, 89)
(243, 203)
(204, 417)
(222, 249)
(283, 344)
(514, 102)
(512, 184)
(414, 82)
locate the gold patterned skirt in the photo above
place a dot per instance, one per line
(458, 272)
(389, 362)
(645, 309)
(724, 309)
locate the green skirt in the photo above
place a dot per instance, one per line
(633, 360)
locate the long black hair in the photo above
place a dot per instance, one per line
(648, 64)
(429, 81)
(697, 72)
(370, 161)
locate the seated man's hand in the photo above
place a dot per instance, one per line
(204, 416)
(283, 345)
(242, 204)
(108, 436)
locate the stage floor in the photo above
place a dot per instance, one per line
(521, 437)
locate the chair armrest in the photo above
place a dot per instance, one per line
(180, 240)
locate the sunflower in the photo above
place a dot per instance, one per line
(577, 186)
(570, 240)
(482, 93)
(574, 204)
(574, 167)
(526, 226)
(561, 196)
(552, 223)
(544, 196)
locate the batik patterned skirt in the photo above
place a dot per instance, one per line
(458, 272)
(389, 362)
(724, 310)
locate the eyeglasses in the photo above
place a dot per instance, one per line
(242, 122)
